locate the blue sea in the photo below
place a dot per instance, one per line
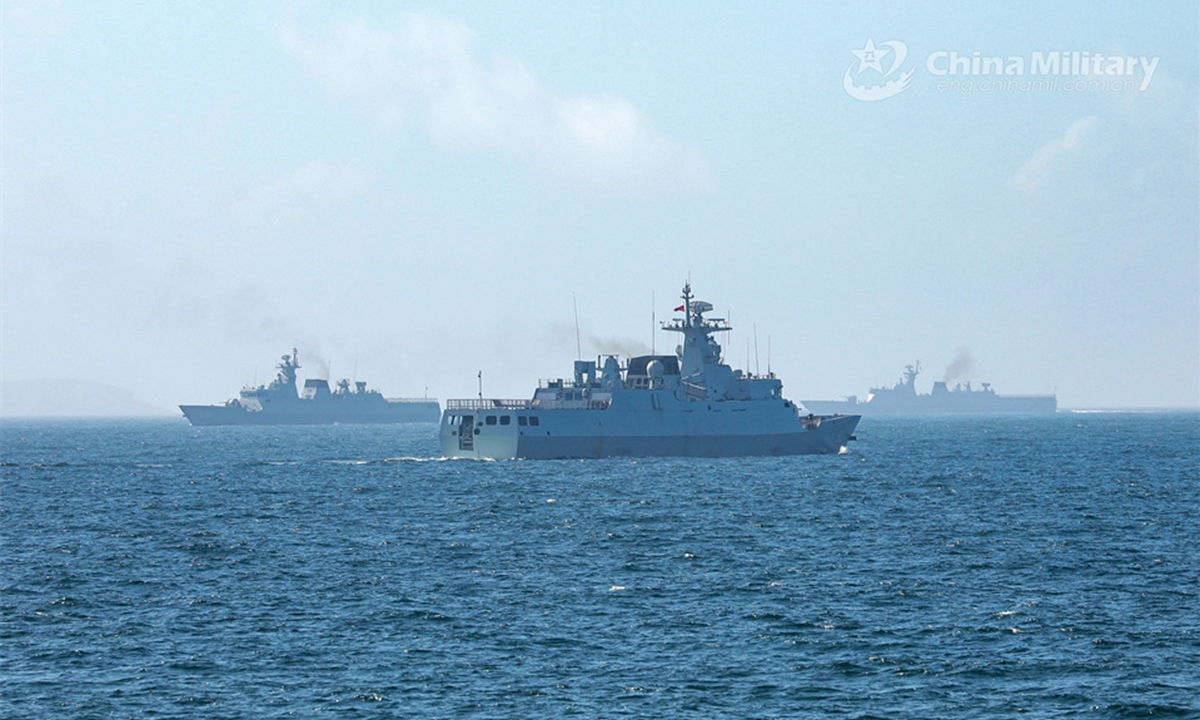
(943, 568)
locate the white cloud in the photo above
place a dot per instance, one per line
(473, 104)
(1037, 169)
(36, 20)
(316, 184)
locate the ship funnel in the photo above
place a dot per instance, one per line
(585, 372)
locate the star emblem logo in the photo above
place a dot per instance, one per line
(869, 57)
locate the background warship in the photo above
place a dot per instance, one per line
(902, 399)
(279, 404)
(687, 404)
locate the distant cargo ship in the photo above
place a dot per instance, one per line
(279, 404)
(902, 399)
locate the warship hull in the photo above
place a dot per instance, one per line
(690, 404)
(903, 399)
(612, 433)
(921, 405)
(395, 412)
(318, 404)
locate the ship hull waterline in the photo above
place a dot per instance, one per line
(565, 434)
(213, 415)
(921, 405)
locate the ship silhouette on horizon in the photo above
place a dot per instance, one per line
(903, 399)
(279, 403)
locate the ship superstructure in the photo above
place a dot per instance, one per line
(687, 404)
(279, 403)
(903, 399)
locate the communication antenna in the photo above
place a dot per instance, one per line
(653, 322)
(768, 356)
(480, 385)
(578, 345)
(756, 367)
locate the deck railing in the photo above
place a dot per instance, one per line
(584, 404)
(488, 404)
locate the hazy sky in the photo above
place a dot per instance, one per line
(414, 194)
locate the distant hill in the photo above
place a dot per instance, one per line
(47, 397)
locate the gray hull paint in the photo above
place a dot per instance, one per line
(818, 442)
(903, 399)
(730, 432)
(279, 404)
(922, 405)
(690, 404)
(408, 412)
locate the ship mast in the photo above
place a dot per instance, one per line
(700, 349)
(687, 303)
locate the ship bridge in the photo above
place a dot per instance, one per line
(702, 373)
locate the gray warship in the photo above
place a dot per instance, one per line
(279, 404)
(903, 399)
(687, 404)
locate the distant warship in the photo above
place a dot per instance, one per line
(902, 399)
(687, 404)
(279, 404)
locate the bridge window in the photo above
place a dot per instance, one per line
(533, 420)
(506, 420)
(491, 420)
(522, 420)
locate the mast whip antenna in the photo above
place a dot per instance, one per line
(756, 368)
(653, 322)
(578, 345)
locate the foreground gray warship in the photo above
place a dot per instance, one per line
(686, 404)
(279, 404)
(902, 399)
